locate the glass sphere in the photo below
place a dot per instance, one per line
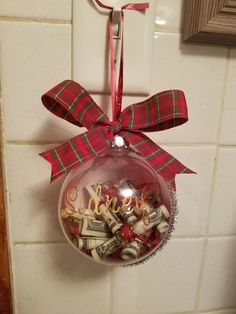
(115, 209)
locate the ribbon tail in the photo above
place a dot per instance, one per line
(77, 150)
(161, 161)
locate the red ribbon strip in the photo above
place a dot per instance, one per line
(116, 97)
(70, 101)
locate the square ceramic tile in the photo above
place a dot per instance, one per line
(223, 214)
(55, 279)
(32, 199)
(165, 284)
(219, 280)
(50, 9)
(168, 15)
(198, 70)
(228, 134)
(34, 58)
(193, 190)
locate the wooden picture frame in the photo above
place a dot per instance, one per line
(210, 21)
(6, 306)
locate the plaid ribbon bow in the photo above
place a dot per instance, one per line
(70, 101)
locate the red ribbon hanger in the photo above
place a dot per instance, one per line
(116, 96)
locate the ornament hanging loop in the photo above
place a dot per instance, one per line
(116, 23)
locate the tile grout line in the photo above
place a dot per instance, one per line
(167, 30)
(215, 311)
(111, 297)
(181, 238)
(222, 236)
(219, 310)
(42, 142)
(203, 237)
(220, 122)
(205, 242)
(210, 204)
(7, 200)
(18, 19)
(175, 312)
(24, 243)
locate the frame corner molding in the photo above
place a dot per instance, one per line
(209, 21)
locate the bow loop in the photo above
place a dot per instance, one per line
(70, 101)
(161, 161)
(78, 150)
(162, 111)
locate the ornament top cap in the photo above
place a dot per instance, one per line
(118, 141)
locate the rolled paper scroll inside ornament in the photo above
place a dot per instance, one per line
(128, 214)
(94, 228)
(164, 211)
(162, 227)
(111, 219)
(153, 219)
(107, 248)
(83, 243)
(132, 250)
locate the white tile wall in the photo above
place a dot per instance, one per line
(41, 9)
(168, 15)
(37, 59)
(228, 134)
(191, 67)
(193, 191)
(195, 273)
(223, 214)
(32, 200)
(53, 279)
(219, 284)
(168, 276)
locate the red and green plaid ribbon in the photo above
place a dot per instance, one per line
(70, 101)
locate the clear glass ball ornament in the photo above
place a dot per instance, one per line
(115, 209)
